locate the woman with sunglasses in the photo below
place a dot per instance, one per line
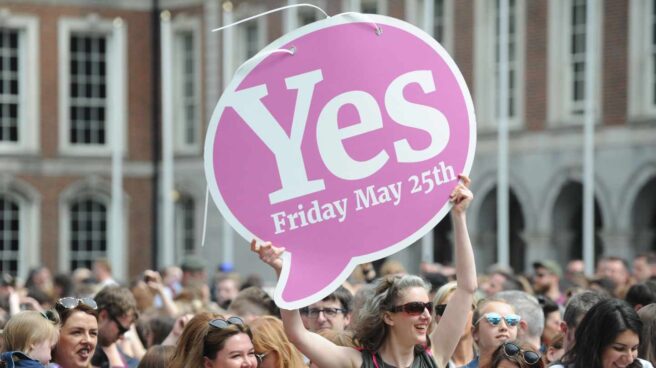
(512, 355)
(78, 334)
(211, 341)
(494, 322)
(608, 336)
(393, 326)
(464, 352)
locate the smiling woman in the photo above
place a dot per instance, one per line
(608, 336)
(211, 341)
(78, 335)
(393, 326)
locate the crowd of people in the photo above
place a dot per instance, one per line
(381, 318)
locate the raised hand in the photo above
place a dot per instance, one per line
(269, 254)
(461, 196)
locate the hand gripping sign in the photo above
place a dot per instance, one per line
(344, 150)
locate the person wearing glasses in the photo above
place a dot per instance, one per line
(464, 352)
(272, 346)
(78, 334)
(117, 311)
(393, 326)
(608, 336)
(512, 355)
(332, 313)
(210, 340)
(494, 322)
(29, 337)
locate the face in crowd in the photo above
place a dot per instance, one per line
(497, 323)
(410, 316)
(78, 337)
(327, 315)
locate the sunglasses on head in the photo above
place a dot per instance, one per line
(225, 323)
(529, 357)
(495, 318)
(413, 308)
(70, 303)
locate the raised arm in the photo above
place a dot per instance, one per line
(446, 335)
(318, 349)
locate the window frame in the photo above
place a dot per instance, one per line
(115, 32)
(29, 77)
(180, 25)
(356, 6)
(485, 65)
(559, 71)
(100, 190)
(641, 93)
(290, 18)
(416, 13)
(29, 203)
(239, 34)
(180, 237)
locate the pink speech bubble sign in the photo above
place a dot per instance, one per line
(344, 152)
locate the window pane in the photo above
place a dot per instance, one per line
(88, 88)
(87, 228)
(9, 235)
(9, 85)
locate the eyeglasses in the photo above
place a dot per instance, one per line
(412, 308)
(328, 312)
(225, 323)
(495, 318)
(121, 329)
(70, 303)
(529, 357)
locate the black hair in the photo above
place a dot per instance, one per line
(641, 294)
(598, 330)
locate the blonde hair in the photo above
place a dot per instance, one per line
(28, 328)
(269, 336)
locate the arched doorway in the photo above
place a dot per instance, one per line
(643, 217)
(488, 231)
(567, 229)
(443, 241)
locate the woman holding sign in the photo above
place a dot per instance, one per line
(393, 325)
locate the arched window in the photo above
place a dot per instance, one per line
(185, 226)
(88, 231)
(9, 235)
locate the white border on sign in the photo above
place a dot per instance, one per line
(239, 76)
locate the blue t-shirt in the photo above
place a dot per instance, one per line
(17, 359)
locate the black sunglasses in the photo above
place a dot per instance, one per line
(439, 309)
(529, 357)
(412, 308)
(70, 303)
(225, 323)
(121, 329)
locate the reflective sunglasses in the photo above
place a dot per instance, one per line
(413, 308)
(121, 329)
(225, 323)
(495, 318)
(328, 312)
(529, 357)
(70, 303)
